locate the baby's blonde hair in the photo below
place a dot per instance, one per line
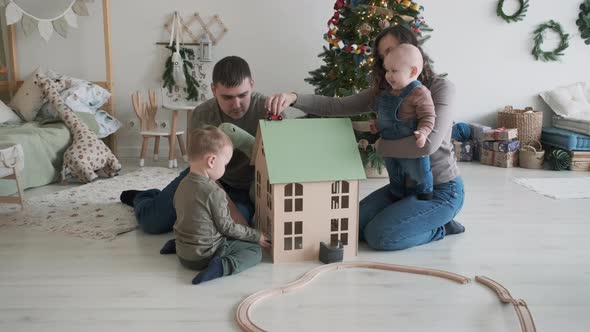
(205, 140)
(409, 55)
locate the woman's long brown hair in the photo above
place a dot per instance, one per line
(405, 36)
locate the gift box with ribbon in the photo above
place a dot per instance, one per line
(500, 134)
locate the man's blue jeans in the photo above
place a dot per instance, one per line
(154, 209)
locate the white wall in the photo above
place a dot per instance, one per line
(487, 59)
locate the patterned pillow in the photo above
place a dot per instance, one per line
(107, 123)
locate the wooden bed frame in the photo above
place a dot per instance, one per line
(13, 82)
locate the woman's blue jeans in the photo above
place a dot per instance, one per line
(387, 223)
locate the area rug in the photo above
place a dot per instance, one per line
(558, 188)
(90, 211)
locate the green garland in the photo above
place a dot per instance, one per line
(518, 16)
(583, 21)
(554, 55)
(191, 82)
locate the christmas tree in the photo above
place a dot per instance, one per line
(348, 57)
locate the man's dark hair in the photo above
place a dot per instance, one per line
(231, 71)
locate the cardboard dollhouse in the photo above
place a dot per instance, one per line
(307, 186)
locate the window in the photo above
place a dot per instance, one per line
(293, 235)
(293, 197)
(340, 195)
(257, 216)
(339, 231)
(258, 181)
(269, 195)
(268, 228)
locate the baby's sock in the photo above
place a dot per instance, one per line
(214, 270)
(128, 196)
(454, 227)
(168, 248)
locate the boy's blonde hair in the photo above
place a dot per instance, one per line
(205, 140)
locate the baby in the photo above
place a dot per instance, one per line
(406, 109)
(207, 238)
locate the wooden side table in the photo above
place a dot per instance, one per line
(187, 107)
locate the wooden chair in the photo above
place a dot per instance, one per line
(146, 112)
(11, 159)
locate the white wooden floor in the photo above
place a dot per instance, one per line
(537, 247)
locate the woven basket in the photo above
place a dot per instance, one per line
(528, 122)
(531, 156)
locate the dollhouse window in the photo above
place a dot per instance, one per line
(293, 197)
(268, 195)
(258, 180)
(293, 232)
(340, 195)
(268, 228)
(339, 231)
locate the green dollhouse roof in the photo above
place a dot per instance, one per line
(311, 150)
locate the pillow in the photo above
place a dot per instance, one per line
(88, 118)
(568, 101)
(108, 124)
(86, 96)
(47, 112)
(29, 98)
(82, 92)
(57, 76)
(7, 115)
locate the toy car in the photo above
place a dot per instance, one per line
(272, 117)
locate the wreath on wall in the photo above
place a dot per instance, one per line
(517, 16)
(554, 55)
(583, 21)
(191, 83)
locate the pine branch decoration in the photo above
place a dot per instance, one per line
(583, 21)
(191, 83)
(554, 55)
(518, 16)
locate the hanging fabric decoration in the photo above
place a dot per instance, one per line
(60, 23)
(178, 69)
(177, 60)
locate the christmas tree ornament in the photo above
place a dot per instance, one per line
(384, 24)
(554, 55)
(365, 29)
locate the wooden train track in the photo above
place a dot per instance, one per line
(243, 313)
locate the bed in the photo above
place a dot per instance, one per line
(44, 144)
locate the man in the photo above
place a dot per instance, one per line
(235, 102)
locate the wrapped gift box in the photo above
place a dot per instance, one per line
(476, 151)
(463, 150)
(502, 146)
(499, 159)
(580, 161)
(477, 131)
(500, 134)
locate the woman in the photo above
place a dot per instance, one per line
(385, 222)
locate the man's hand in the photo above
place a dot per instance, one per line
(420, 139)
(373, 127)
(277, 103)
(263, 241)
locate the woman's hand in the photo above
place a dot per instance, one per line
(277, 103)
